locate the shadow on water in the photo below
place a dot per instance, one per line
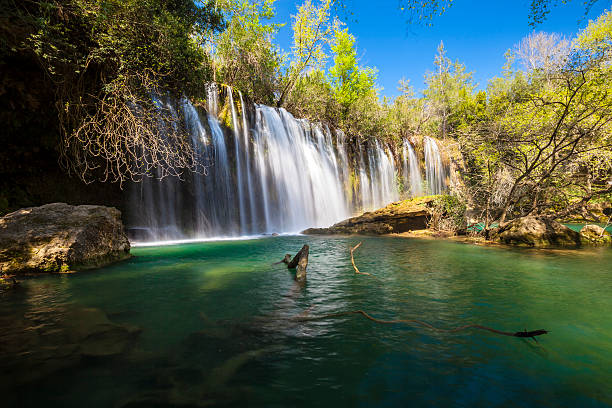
(213, 324)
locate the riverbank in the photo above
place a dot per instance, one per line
(412, 218)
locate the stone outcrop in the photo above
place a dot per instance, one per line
(595, 235)
(402, 216)
(537, 232)
(60, 238)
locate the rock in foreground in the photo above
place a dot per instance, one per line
(537, 232)
(402, 216)
(59, 238)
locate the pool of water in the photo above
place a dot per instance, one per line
(213, 324)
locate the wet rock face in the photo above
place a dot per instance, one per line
(595, 235)
(397, 217)
(59, 238)
(537, 232)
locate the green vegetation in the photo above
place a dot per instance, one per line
(537, 141)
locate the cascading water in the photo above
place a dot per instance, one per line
(411, 171)
(434, 169)
(270, 173)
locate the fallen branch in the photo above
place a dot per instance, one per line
(299, 261)
(524, 334)
(357, 272)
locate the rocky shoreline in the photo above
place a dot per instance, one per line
(398, 217)
(410, 219)
(60, 238)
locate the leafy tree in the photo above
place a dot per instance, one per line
(312, 31)
(102, 60)
(449, 92)
(349, 80)
(245, 56)
(545, 147)
(313, 98)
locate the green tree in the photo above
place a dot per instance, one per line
(448, 93)
(102, 60)
(546, 147)
(312, 31)
(350, 81)
(245, 56)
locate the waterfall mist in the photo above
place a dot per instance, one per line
(271, 173)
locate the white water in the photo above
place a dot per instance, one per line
(272, 173)
(411, 172)
(434, 169)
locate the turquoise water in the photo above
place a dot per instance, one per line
(211, 325)
(578, 226)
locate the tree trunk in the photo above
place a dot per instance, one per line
(300, 260)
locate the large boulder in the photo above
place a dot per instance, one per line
(595, 235)
(60, 238)
(397, 217)
(537, 232)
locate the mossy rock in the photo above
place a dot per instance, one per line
(595, 235)
(537, 232)
(59, 238)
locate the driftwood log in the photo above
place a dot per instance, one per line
(524, 334)
(299, 261)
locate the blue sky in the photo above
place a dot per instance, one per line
(477, 33)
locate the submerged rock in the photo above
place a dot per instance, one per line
(398, 217)
(59, 238)
(537, 232)
(595, 235)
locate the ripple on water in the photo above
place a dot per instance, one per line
(213, 323)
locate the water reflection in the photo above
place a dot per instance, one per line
(213, 324)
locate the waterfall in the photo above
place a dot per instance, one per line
(410, 170)
(434, 169)
(269, 173)
(238, 152)
(249, 180)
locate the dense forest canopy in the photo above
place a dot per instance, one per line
(536, 141)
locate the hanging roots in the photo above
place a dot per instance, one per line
(528, 334)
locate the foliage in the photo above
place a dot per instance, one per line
(103, 59)
(350, 81)
(545, 146)
(449, 92)
(313, 98)
(312, 31)
(245, 56)
(448, 214)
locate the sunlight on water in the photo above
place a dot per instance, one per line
(212, 323)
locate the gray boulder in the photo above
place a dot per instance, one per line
(595, 235)
(537, 232)
(61, 238)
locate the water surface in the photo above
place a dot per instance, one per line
(211, 324)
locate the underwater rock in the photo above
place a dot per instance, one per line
(595, 235)
(96, 335)
(536, 232)
(398, 217)
(31, 352)
(60, 238)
